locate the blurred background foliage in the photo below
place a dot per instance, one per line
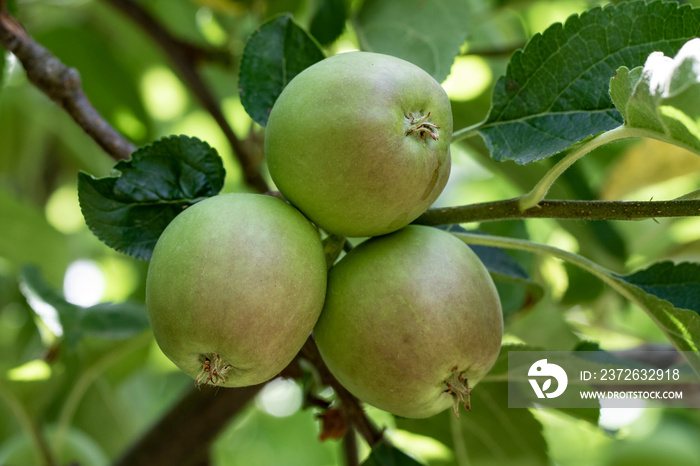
(91, 402)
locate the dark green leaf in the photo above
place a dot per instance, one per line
(670, 293)
(274, 54)
(428, 34)
(106, 321)
(386, 455)
(328, 22)
(555, 91)
(679, 284)
(130, 210)
(490, 433)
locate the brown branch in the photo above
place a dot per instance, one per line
(350, 405)
(185, 434)
(61, 84)
(350, 447)
(185, 59)
(578, 210)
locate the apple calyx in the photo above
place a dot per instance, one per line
(214, 370)
(422, 126)
(458, 387)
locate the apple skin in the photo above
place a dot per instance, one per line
(239, 276)
(337, 146)
(405, 313)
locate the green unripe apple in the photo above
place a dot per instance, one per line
(412, 321)
(360, 142)
(234, 288)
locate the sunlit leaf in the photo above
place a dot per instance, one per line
(663, 96)
(427, 34)
(555, 91)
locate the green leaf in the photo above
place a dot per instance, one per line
(490, 433)
(670, 293)
(428, 34)
(130, 210)
(328, 21)
(273, 55)
(663, 97)
(555, 91)
(107, 321)
(386, 455)
(662, 290)
(679, 284)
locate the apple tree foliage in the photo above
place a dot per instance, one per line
(596, 103)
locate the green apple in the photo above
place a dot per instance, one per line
(360, 143)
(412, 322)
(234, 288)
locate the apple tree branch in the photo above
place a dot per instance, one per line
(61, 84)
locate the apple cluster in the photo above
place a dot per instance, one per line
(408, 321)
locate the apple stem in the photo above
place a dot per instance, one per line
(422, 126)
(214, 370)
(458, 387)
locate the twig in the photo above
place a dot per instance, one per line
(349, 404)
(61, 84)
(185, 58)
(185, 434)
(560, 209)
(350, 447)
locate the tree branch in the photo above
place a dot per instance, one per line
(185, 58)
(185, 434)
(349, 404)
(62, 85)
(560, 209)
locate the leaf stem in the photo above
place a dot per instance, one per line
(605, 275)
(465, 133)
(540, 190)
